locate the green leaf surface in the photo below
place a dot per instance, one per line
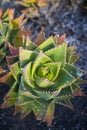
(7, 79)
(58, 54)
(2, 40)
(40, 60)
(54, 69)
(15, 70)
(11, 96)
(64, 79)
(69, 51)
(64, 97)
(73, 70)
(48, 44)
(26, 56)
(27, 75)
(43, 83)
(29, 45)
(50, 113)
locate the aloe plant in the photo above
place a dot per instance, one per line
(9, 30)
(32, 7)
(28, 3)
(41, 76)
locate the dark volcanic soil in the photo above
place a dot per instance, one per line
(72, 20)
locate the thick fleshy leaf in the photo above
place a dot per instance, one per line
(76, 90)
(64, 97)
(10, 13)
(25, 97)
(74, 71)
(58, 54)
(48, 44)
(4, 28)
(18, 22)
(7, 79)
(64, 79)
(54, 69)
(2, 40)
(40, 60)
(26, 3)
(74, 58)
(39, 76)
(40, 38)
(50, 113)
(80, 81)
(1, 13)
(15, 71)
(44, 94)
(43, 83)
(11, 96)
(21, 3)
(5, 17)
(39, 108)
(69, 52)
(59, 39)
(13, 50)
(24, 103)
(26, 56)
(29, 45)
(29, 102)
(12, 59)
(2, 56)
(27, 75)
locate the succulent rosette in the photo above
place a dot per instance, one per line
(10, 31)
(28, 3)
(42, 76)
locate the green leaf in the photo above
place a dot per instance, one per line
(2, 56)
(76, 90)
(39, 108)
(26, 56)
(48, 44)
(7, 79)
(2, 40)
(40, 38)
(64, 97)
(54, 69)
(44, 94)
(4, 27)
(12, 33)
(15, 70)
(69, 51)
(74, 71)
(27, 75)
(74, 58)
(29, 45)
(11, 96)
(43, 83)
(40, 60)
(24, 103)
(58, 54)
(50, 113)
(64, 79)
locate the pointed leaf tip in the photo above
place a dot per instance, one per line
(0, 13)
(11, 13)
(40, 38)
(78, 93)
(50, 113)
(13, 50)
